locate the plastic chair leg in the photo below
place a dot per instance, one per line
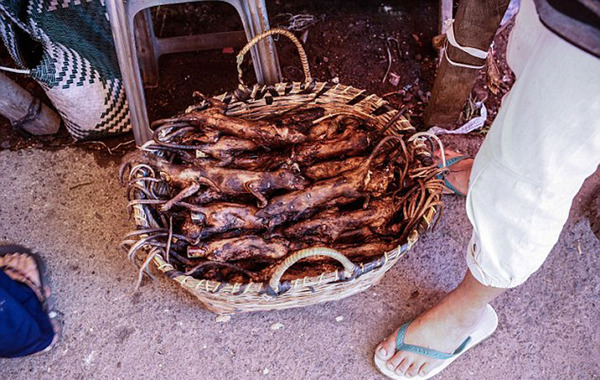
(266, 58)
(132, 81)
(253, 14)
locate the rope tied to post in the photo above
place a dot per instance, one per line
(473, 52)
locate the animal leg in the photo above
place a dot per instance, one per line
(251, 188)
(188, 191)
(209, 183)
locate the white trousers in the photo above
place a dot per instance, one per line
(543, 144)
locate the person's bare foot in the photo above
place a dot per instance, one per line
(442, 328)
(458, 174)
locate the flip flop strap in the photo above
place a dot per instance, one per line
(401, 346)
(452, 188)
(454, 160)
(450, 162)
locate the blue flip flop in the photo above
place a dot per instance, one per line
(449, 163)
(486, 327)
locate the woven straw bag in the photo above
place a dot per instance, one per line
(67, 47)
(153, 237)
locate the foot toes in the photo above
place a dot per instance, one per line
(413, 370)
(381, 352)
(386, 349)
(395, 361)
(425, 369)
(403, 367)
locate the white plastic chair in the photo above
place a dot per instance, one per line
(145, 50)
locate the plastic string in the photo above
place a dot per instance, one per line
(17, 71)
(473, 52)
(475, 123)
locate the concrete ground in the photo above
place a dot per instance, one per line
(71, 210)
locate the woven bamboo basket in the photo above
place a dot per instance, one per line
(150, 243)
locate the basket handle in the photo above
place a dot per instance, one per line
(349, 266)
(288, 34)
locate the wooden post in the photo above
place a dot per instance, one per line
(15, 104)
(475, 25)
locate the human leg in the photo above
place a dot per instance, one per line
(543, 144)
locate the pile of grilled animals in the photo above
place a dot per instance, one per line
(234, 196)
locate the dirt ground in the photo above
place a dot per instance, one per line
(62, 198)
(72, 211)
